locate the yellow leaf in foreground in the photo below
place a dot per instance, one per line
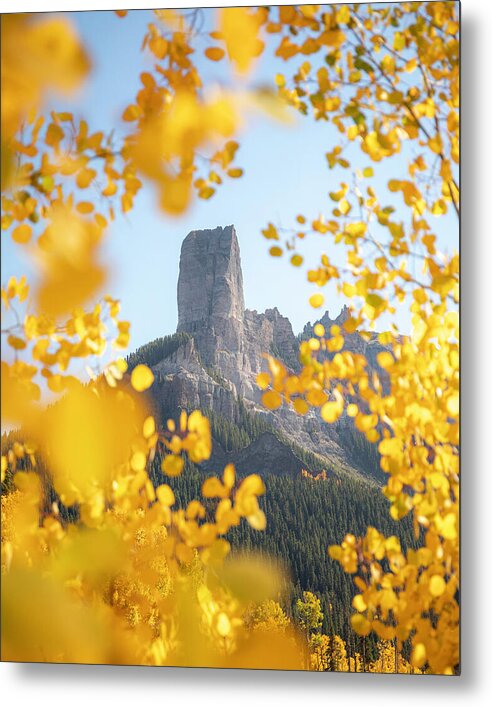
(22, 234)
(149, 427)
(172, 465)
(316, 300)
(95, 433)
(165, 495)
(142, 377)
(418, 655)
(213, 488)
(453, 404)
(300, 406)
(257, 520)
(239, 28)
(331, 411)
(263, 380)
(360, 624)
(271, 400)
(214, 53)
(437, 586)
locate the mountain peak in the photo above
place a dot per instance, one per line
(210, 283)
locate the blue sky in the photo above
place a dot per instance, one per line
(285, 174)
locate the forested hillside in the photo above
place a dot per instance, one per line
(305, 517)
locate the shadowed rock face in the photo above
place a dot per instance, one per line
(226, 353)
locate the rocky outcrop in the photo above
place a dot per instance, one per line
(209, 267)
(219, 363)
(229, 339)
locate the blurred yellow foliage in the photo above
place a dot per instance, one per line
(133, 578)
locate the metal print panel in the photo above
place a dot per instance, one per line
(230, 346)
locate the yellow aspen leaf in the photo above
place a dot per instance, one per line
(435, 144)
(372, 435)
(331, 411)
(122, 365)
(54, 134)
(315, 396)
(257, 520)
(159, 46)
(138, 461)
(437, 585)
(16, 342)
(142, 377)
(453, 404)
(356, 230)
(131, 113)
(55, 383)
(419, 655)
(316, 300)
(296, 260)
(390, 446)
(319, 329)
(172, 465)
(388, 64)
(126, 204)
(343, 15)
(214, 53)
(448, 527)
(385, 359)
(22, 233)
(364, 423)
(214, 488)
(300, 406)
(271, 399)
(344, 206)
(280, 80)
(335, 552)
(439, 207)
(360, 624)
(206, 192)
(374, 300)
(148, 427)
(85, 207)
(85, 177)
(411, 65)
(239, 28)
(275, 251)
(165, 495)
(229, 476)
(235, 172)
(110, 189)
(270, 232)
(263, 380)
(359, 603)
(252, 485)
(399, 42)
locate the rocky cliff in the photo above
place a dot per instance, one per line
(216, 365)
